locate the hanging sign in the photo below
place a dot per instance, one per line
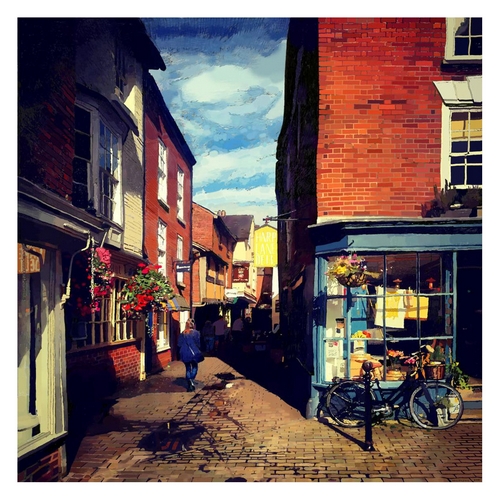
(183, 266)
(241, 273)
(266, 247)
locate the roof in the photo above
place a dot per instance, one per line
(239, 225)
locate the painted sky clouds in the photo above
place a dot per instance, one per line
(224, 87)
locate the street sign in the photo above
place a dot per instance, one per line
(183, 266)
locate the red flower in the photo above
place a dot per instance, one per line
(141, 265)
(145, 271)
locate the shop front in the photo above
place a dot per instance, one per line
(418, 275)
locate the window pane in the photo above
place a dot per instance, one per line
(475, 176)
(476, 26)
(461, 46)
(82, 145)
(457, 175)
(459, 147)
(476, 48)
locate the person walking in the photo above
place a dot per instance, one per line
(220, 331)
(189, 352)
(207, 336)
(237, 331)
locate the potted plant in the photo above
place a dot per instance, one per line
(350, 270)
(456, 377)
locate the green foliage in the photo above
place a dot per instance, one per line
(458, 378)
(147, 290)
(437, 355)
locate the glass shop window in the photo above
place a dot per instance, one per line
(406, 302)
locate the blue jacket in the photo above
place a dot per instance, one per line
(189, 345)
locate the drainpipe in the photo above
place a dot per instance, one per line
(66, 295)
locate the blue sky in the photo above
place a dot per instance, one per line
(224, 87)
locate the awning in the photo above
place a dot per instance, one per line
(182, 303)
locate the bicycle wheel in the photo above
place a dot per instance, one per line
(436, 405)
(345, 403)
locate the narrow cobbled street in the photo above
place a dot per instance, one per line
(232, 429)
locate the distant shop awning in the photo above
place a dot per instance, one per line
(182, 303)
(178, 303)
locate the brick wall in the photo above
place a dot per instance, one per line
(46, 120)
(46, 469)
(111, 366)
(379, 139)
(157, 129)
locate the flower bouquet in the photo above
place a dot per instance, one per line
(350, 271)
(395, 358)
(147, 290)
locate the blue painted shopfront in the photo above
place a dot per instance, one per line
(419, 265)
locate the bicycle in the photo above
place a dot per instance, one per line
(433, 404)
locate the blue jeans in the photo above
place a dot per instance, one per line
(191, 370)
(209, 344)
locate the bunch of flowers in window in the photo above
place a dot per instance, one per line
(394, 357)
(147, 290)
(350, 270)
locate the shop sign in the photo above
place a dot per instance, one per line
(29, 261)
(183, 266)
(241, 273)
(266, 247)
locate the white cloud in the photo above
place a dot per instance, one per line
(241, 163)
(259, 202)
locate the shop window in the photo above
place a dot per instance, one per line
(162, 327)
(103, 324)
(409, 304)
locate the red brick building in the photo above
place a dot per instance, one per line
(380, 115)
(213, 247)
(167, 220)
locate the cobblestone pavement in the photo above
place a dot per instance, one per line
(231, 429)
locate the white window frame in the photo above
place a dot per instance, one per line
(38, 427)
(452, 24)
(180, 252)
(180, 193)
(98, 174)
(162, 171)
(446, 141)
(162, 246)
(162, 329)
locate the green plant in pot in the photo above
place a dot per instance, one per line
(456, 376)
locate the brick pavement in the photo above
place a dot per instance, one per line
(232, 429)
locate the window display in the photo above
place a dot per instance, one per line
(405, 301)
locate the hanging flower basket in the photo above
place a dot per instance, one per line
(350, 271)
(352, 280)
(147, 290)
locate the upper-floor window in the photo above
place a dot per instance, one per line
(180, 193)
(162, 171)
(466, 147)
(464, 38)
(180, 251)
(162, 247)
(119, 72)
(97, 164)
(108, 170)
